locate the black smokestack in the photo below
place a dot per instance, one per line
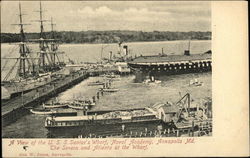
(125, 49)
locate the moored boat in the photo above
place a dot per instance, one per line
(54, 105)
(42, 111)
(81, 105)
(114, 117)
(109, 89)
(111, 76)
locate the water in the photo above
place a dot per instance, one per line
(130, 94)
(92, 52)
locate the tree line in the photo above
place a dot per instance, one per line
(111, 36)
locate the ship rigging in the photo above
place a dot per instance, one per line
(32, 71)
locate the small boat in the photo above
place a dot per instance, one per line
(42, 111)
(80, 106)
(108, 89)
(195, 82)
(95, 83)
(54, 105)
(111, 76)
(148, 81)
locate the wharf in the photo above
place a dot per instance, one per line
(17, 107)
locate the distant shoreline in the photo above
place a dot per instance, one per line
(108, 37)
(116, 43)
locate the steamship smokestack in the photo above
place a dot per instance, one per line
(125, 49)
(187, 52)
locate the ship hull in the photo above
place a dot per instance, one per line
(103, 130)
(16, 88)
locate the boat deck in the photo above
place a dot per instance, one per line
(170, 58)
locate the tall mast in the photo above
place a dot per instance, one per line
(22, 51)
(42, 42)
(21, 23)
(53, 44)
(41, 21)
(189, 45)
(52, 29)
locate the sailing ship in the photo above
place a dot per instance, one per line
(32, 72)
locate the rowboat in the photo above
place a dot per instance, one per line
(42, 111)
(95, 83)
(111, 76)
(108, 89)
(195, 82)
(81, 106)
(54, 105)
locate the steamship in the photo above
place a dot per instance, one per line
(164, 64)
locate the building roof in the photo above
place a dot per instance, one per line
(170, 109)
(170, 58)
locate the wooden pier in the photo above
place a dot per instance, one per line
(19, 106)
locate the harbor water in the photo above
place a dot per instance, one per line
(130, 94)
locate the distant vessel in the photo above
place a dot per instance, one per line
(96, 83)
(32, 72)
(164, 64)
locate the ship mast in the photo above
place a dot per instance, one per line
(24, 63)
(53, 44)
(48, 47)
(23, 50)
(22, 47)
(54, 49)
(42, 42)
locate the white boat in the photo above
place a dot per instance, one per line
(111, 76)
(54, 105)
(148, 81)
(195, 82)
(42, 111)
(81, 106)
(108, 89)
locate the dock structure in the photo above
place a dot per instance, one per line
(17, 107)
(171, 64)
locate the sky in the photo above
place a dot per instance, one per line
(111, 15)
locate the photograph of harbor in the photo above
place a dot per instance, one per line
(81, 69)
